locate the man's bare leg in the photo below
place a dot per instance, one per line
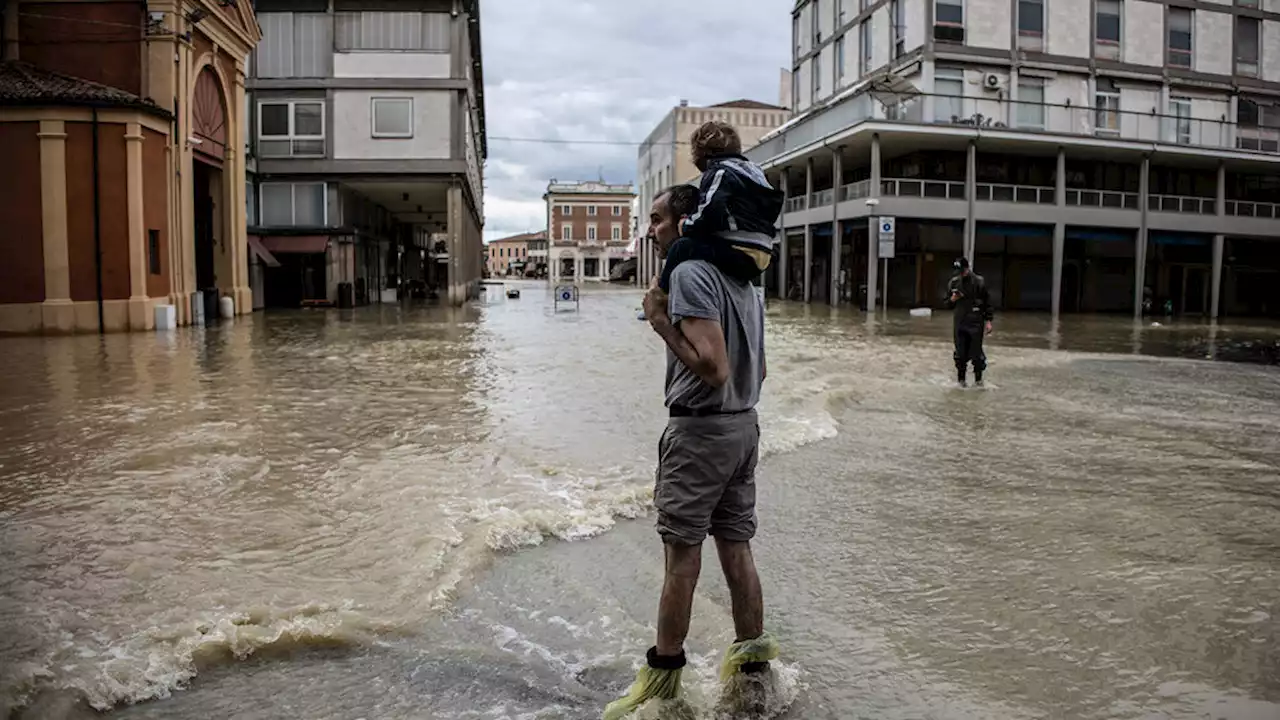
(739, 568)
(684, 563)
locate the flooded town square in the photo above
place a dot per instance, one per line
(434, 512)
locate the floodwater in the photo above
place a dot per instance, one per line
(437, 513)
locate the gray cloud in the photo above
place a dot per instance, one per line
(608, 70)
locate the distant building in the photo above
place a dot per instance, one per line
(664, 159)
(510, 255)
(588, 224)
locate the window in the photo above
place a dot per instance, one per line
(591, 232)
(1031, 25)
(839, 60)
(617, 210)
(795, 89)
(814, 16)
(1180, 123)
(1106, 39)
(1031, 104)
(864, 40)
(392, 117)
(293, 204)
(566, 231)
(795, 33)
(842, 16)
(1247, 4)
(1247, 46)
(291, 129)
(153, 251)
(815, 73)
(948, 88)
(1179, 39)
(948, 20)
(899, 28)
(616, 232)
(591, 210)
(1106, 105)
(566, 209)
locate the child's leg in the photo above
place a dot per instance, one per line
(681, 250)
(738, 264)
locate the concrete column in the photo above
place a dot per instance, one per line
(1059, 244)
(1215, 300)
(833, 284)
(137, 230)
(808, 262)
(873, 250)
(57, 312)
(1140, 254)
(783, 252)
(1220, 204)
(238, 235)
(457, 295)
(971, 197)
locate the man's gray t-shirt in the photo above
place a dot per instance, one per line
(700, 290)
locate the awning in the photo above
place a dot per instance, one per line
(296, 243)
(255, 246)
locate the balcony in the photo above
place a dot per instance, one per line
(795, 204)
(1241, 208)
(1182, 204)
(935, 189)
(996, 192)
(1007, 116)
(1111, 199)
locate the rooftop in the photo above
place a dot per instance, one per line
(590, 187)
(25, 84)
(745, 104)
(522, 237)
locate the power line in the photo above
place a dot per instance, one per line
(563, 141)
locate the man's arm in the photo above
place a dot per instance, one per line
(699, 344)
(950, 301)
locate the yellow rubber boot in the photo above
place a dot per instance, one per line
(756, 650)
(661, 682)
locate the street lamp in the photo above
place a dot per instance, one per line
(873, 236)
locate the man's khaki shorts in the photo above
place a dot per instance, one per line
(706, 479)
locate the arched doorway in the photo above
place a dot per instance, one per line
(213, 253)
(568, 266)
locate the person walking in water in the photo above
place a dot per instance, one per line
(713, 328)
(967, 296)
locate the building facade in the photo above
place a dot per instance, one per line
(1087, 155)
(368, 144)
(509, 256)
(664, 159)
(587, 227)
(121, 129)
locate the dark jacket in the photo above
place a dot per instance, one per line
(738, 204)
(974, 306)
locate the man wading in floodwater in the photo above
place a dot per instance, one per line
(967, 295)
(713, 327)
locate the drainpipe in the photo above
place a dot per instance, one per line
(97, 226)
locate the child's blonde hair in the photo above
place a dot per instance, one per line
(712, 139)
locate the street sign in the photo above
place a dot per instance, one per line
(566, 294)
(887, 226)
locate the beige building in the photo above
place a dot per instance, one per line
(589, 226)
(664, 157)
(510, 255)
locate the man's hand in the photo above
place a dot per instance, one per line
(956, 295)
(988, 327)
(655, 306)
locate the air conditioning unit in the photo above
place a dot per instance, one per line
(992, 81)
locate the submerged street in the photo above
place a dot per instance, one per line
(444, 513)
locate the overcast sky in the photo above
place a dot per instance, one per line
(608, 70)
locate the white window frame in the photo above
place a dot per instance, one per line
(1111, 109)
(292, 136)
(1030, 117)
(566, 209)
(839, 59)
(1237, 65)
(591, 232)
(866, 47)
(615, 231)
(964, 15)
(293, 201)
(1035, 40)
(1117, 43)
(373, 115)
(1180, 124)
(943, 102)
(815, 76)
(591, 210)
(617, 211)
(566, 231)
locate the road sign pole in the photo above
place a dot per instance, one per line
(885, 289)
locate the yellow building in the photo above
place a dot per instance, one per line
(510, 255)
(121, 125)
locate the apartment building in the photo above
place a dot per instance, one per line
(664, 160)
(368, 143)
(120, 129)
(510, 255)
(1084, 154)
(587, 225)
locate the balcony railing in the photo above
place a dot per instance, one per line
(1182, 204)
(1014, 116)
(938, 189)
(855, 191)
(1103, 199)
(1242, 208)
(822, 198)
(996, 192)
(795, 204)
